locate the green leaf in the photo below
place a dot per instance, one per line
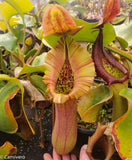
(7, 78)
(18, 83)
(122, 128)
(119, 104)
(123, 42)
(8, 41)
(38, 32)
(3, 26)
(118, 20)
(124, 31)
(18, 32)
(2, 84)
(13, 7)
(89, 34)
(8, 123)
(91, 103)
(30, 53)
(2, 64)
(29, 20)
(109, 33)
(61, 2)
(39, 60)
(37, 81)
(12, 22)
(6, 11)
(30, 69)
(128, 1)
(10, 8)
(51, 40)
(7, 149)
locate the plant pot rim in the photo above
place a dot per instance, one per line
(85, 131)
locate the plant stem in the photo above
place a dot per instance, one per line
(29, 60)
(10, 72)
(120, 52)
(18, 59)
(20, 54)
(42, 144)
(38, 5)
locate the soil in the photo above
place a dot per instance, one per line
(30, 149)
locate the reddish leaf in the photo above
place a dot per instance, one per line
(111, 9)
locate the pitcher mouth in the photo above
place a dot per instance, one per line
(69, 70)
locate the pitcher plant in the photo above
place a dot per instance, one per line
(69, 74)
